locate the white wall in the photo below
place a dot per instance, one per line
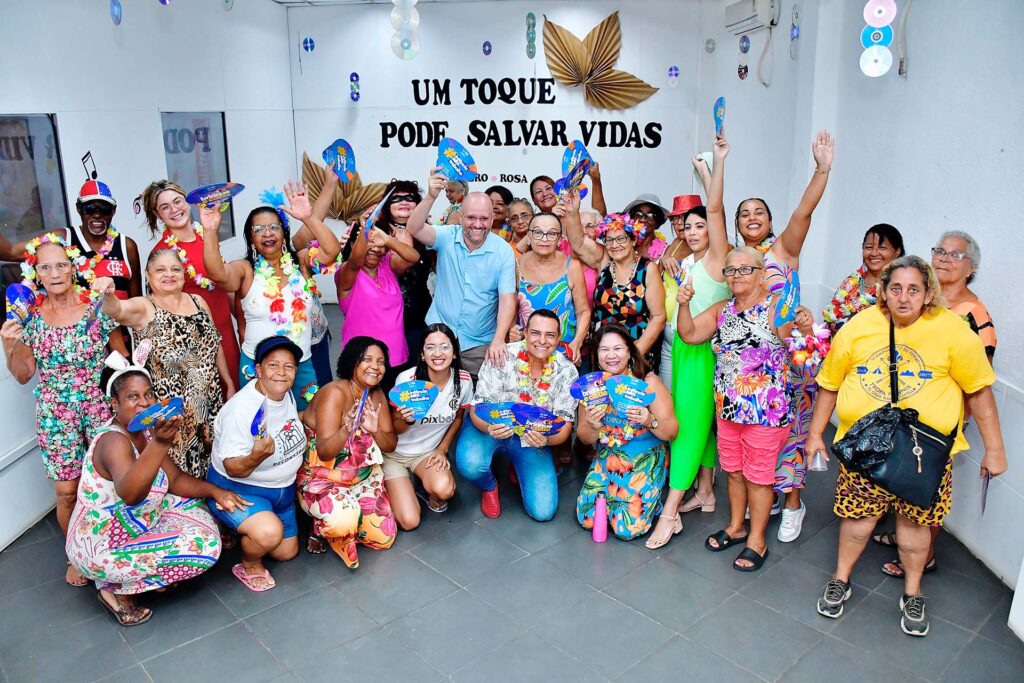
(655, 35)
(108, 84)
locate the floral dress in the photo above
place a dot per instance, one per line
(555, 296)
(348, 501)
(625, 305)
(131, 549)
(70, 406)
(750, 367)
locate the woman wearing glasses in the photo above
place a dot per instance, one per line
(169, 216)
(273, 280)
(549, 279)
(629, 291)
(750, 395)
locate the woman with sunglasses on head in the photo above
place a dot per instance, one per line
(169, 216)
(781, 255)
(423, 445)
(273, 280)
(368, 290)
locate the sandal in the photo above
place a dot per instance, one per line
(705, 504)
(653, 543)
(248, 579)
(316, 545)
(81, 582)
(723, 540)
(127, 616)
(431, 504)
(886, 540)
(751, 556)
(898, 572)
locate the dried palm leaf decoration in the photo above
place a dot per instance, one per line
(351, 199)
(589, 63)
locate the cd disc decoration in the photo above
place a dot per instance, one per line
(353, 83)
(709, 45)
(794, 33)
(308, 44)
(531, 35)
(744, 44)
(405, 43)
(115, 12)
(876, 61)
(486, 48)
(673, 76)
(876, 37)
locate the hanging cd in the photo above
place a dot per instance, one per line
(308, 44)
(709, 45)
(794, 41)
(405, 44)
(228, 5)
(879, 13)
(876, 36)
(531, 50)
(405, 18)
(744, 44)
(487, 48)
(875, 61)
(404, 4)
(115, 12)
(531, 20)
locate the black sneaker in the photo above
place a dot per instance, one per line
(914, 622)
(830, 604)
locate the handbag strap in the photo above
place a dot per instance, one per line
(894, 386)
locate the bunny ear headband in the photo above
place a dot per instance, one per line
(121, 365)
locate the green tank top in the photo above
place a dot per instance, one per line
(706, 290)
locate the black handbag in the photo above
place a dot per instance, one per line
(893, 449)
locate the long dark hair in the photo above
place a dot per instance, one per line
(638, 366)
(354, 351)
(456, 369)
(400, 187)
(250, 245)
(736, 219)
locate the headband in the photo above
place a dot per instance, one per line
(620, 221)
(121, 366)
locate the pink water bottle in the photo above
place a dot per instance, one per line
(600, 531)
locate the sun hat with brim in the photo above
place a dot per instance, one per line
(266, 346)
(651, 199)
(95, 190)
(683, 203)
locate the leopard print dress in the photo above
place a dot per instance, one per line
(183, 363)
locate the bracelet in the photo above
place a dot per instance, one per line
(825, 172)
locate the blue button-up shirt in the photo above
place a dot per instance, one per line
(468, 284)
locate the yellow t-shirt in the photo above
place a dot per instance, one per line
(940, 359)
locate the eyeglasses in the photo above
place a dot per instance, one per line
(177, 203)
(942, 254)
(636, 215)
(47, 268)
(730, 271)
(520, 217)
(437, 348)
(545, 236)
(399, 198)
(621, 239)
(97, 209)
(272, 228)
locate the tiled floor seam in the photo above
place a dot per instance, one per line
(181, 645)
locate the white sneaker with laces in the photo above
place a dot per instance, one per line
(792, 523)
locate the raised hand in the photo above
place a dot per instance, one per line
(298, 206)
(210, 218)
(594, 171)
(721, 148)
(436, 183)
(823, 148)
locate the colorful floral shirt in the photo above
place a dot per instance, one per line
(507, 383)
(750, 367)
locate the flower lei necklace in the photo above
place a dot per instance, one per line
(766, 244)
(90, 267)
(74, 254)
(322, 268)
(171, 240)
(297, 285)
(850, 299)
(543, 386)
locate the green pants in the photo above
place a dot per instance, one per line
(693, 375)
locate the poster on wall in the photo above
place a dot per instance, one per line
(195, 148)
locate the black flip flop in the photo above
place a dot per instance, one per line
(724, 541)
(751, 556)
(930, 567)
(886, 540)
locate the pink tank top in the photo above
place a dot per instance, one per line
(374, 309)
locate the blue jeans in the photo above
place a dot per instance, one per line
(534, 467)
(305, 378)
(279, 501)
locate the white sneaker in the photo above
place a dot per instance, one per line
(776, 508)
(792, 523)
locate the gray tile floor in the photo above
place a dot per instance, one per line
(466, 598)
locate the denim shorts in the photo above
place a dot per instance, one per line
(280, 501)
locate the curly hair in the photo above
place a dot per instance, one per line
(931, 283)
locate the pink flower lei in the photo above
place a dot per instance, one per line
(619, 221)
(74, 254)
(171, 241)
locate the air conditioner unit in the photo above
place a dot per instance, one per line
(749, 15)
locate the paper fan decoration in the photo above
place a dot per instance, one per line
(351, 199)
(589, 63)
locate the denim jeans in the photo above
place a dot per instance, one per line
(534, 467)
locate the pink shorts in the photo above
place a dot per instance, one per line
(754, 449)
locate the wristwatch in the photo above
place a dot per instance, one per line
(654, 423)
